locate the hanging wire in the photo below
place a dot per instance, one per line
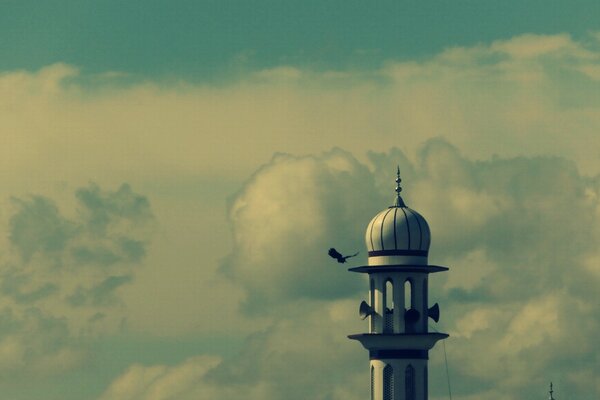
(447, 371)
(446, 362)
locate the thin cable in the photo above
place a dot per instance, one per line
(446, 362)
(447, 371)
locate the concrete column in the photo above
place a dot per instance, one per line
(377, 379)
(424, 294)
(398, 379)
(378, 304)
(419, 366)
(398, 304)
(372, 317)
(417, 288)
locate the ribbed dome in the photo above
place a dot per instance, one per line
(398, 235)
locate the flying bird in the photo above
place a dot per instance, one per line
(333, 253)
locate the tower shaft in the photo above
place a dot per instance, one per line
(398, 340)
(398, 379)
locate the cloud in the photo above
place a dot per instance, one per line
(103, 211)
(286, 218)
(38, 227)
(510, 189)
(40, 344)
(518, 278)
(513, 97)
(281, 361)
(519, 300)
(60, 275)
(98, 294)
(161, 382)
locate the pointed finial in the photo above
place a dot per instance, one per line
(399, 202)
(551, 392)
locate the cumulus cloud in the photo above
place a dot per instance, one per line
(287, 217)
(60, 275)
(159, 381)
(511, 210)
(519, 301)
(512, 97)
(300, 358)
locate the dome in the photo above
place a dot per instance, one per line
(398, 235)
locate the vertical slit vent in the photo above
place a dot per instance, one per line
(388, 383)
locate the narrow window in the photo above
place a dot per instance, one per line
(389, 294)
(408, 295)
(409, 382)
(389, 307)
(388, 383)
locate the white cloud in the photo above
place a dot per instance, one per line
(528, 218)
(298, 357)
(525, 95)
(518, 275)
(161, 382)
(518, 300)
(60, 277)
(287, 217)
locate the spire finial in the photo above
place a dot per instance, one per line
(551, 392)
(399, 202)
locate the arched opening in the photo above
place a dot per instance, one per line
(411, 316)
(389, 294)
(408, 294)
(388, 306)
(409, 382)
(388, 383)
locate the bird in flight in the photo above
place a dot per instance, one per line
(333, 253)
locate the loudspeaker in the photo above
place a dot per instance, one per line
(365, 310)
(434, 312)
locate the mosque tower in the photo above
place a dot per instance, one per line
(398, 340)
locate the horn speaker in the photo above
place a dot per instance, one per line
(365, 310)
(434, 312)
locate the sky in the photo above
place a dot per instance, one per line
(173, 174)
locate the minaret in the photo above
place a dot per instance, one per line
(398, 340)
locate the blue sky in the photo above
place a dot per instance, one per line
(202, 40)
(173, 173)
